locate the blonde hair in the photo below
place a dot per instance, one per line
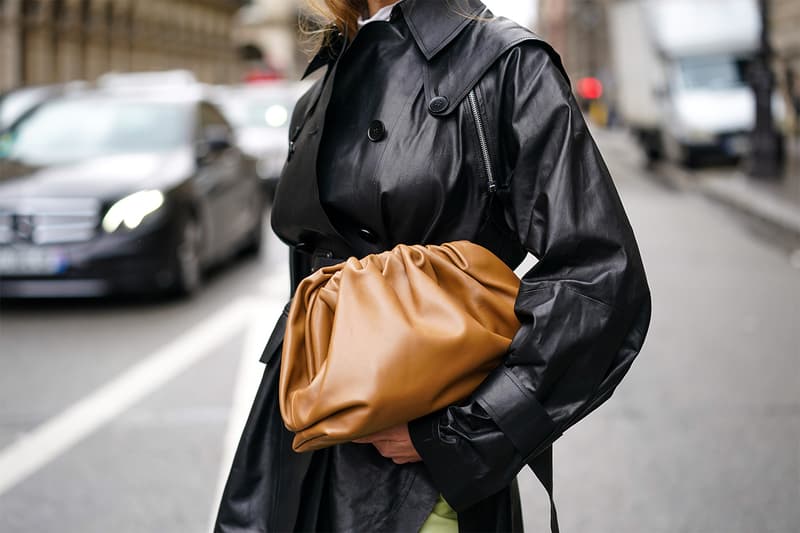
(325, 16)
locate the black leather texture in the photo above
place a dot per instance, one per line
(387, 150)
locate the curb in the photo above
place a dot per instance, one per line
(736, 192)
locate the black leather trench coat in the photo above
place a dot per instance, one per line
(444, 124)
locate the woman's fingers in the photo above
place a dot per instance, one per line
(399, 452)
(393, 443)
(391, 449)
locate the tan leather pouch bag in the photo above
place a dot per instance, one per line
(376, 342)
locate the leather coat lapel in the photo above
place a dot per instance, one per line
(301, 201)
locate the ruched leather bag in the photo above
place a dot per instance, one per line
(375, 342)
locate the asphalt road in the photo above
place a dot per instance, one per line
(120, 416)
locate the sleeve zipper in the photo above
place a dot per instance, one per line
(472, 103)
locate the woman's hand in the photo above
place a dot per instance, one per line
(393, 443)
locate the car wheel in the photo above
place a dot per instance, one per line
(255, 236)
(188, 258)
(252, 246)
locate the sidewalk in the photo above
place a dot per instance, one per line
(774, 203)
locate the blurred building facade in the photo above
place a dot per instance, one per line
(49, 41)
(267, 31)
(578, 29)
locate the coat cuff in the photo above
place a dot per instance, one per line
(439, 459)
(516, 411)
(466, 475)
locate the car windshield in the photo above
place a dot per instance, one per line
(15, 103)
(68, 130)
(712, 73)
(263, 112)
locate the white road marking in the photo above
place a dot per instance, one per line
(276, 286)
(248, 377)
(247, 380)
(46, 442)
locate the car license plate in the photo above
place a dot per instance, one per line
(31, 261)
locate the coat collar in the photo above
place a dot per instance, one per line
(433, 23)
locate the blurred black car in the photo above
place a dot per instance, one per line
(106, 192)
(260, 115)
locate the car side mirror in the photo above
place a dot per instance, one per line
(217, 138)
(213, 141)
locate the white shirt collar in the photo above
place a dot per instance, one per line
(382, 14)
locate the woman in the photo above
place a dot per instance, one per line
(436, 122)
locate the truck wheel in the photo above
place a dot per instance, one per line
(650, 143)
(691, 159)
(678, 153)
(653, 154)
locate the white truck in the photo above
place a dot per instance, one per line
(680, 70)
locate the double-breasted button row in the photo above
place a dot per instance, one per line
(376, 131)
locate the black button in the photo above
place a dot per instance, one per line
(367, 235)
(438, 104)
(376, 131)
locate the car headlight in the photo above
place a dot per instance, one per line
(132, 209)
(276, 116)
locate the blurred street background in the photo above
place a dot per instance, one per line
(140, 144)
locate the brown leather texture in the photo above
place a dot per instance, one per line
(375, 342)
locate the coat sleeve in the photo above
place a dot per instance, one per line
(584, 308)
